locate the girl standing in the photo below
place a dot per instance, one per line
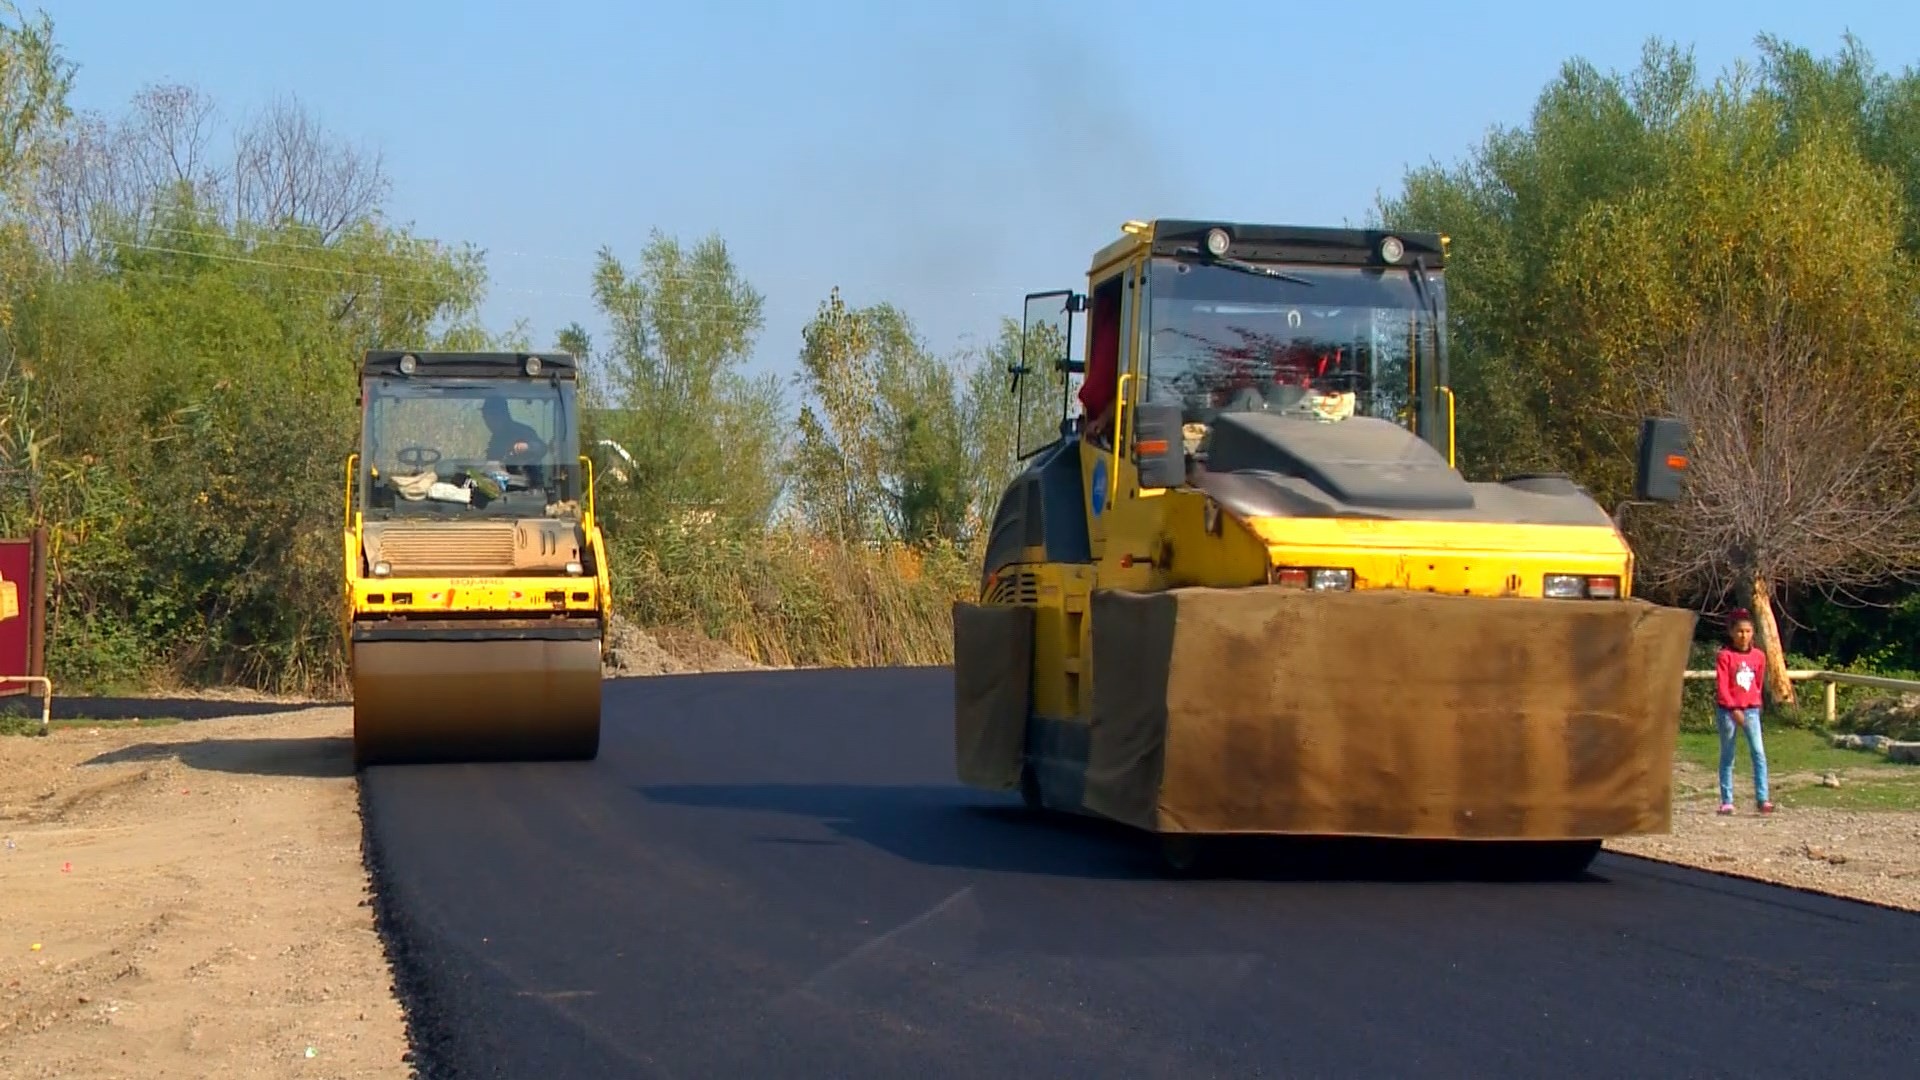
(1738, 674)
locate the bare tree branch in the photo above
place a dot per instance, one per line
(288, 169)
(165, 142)
(75, 179)
(1800, 472)
(285, 168)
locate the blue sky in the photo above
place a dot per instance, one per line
(948, 158)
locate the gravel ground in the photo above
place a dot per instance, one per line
(1871, 855)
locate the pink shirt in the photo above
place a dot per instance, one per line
(1738, 677)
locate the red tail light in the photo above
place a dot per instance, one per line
(1318, 578)
(1581, 587)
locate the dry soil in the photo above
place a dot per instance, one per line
(187, 901)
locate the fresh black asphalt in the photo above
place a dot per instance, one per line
(775, 874)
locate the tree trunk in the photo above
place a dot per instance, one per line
(1768, 631)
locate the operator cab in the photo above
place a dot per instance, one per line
(1189, 321)
(1314, 333)
(458, 436)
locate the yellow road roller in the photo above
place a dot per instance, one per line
(1244, 588)
(477, 594)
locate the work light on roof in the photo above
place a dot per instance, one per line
(407, 363)
(1391, 249)
(1217, 241)
(533, 365)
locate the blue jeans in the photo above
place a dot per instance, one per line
(1750, 723)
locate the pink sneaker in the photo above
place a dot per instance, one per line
(1767, 807)
(1726, 808)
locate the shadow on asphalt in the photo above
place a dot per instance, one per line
(943, 826)
(321, 756)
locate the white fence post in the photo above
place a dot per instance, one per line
(46, 695)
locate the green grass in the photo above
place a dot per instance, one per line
(1796, 760)
(30, 725)
(1789, 750)
(1894, 793)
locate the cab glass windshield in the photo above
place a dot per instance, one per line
(1225, 338)
(468, 447)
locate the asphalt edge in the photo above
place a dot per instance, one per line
(1757, 879)
(426, 1055)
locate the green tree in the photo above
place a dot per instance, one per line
(1597, 249)
(705, 437)
(181, 394)
(35, 78)
(884, 450)
(1845, 93)
(989, 414)
(836, 466)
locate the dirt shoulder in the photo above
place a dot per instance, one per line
(186, 900)
(1862, 854)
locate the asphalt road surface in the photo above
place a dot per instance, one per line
(774, 874)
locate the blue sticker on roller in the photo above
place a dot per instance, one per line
(1099, 486)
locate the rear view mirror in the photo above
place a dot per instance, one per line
(1159, 449)
(1662, 464)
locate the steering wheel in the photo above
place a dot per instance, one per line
(1247, 399)
(418, 456)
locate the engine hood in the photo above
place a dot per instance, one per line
(1261, 466)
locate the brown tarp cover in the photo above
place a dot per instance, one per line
(1376, 712)
(992, 650)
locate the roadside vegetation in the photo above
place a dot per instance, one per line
(183, 299)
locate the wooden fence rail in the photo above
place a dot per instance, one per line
(1835, 679)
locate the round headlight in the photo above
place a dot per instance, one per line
(1217, 241)
(533, 365)
(408, 363)
(1391, 249)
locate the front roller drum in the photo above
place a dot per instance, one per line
(417, 702)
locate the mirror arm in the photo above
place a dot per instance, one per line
(1619, 514)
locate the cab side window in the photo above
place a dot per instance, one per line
(1098, 389)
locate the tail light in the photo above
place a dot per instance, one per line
(1580, 587)
(1319, 578)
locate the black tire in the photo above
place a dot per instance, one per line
(1181, 854)
(1030, 789)
(1549, 859)
(1571, 858)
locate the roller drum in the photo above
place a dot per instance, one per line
(424, 700)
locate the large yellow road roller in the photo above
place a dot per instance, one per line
(477, 587)
(1244, 588)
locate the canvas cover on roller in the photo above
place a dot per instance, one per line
(992, 679)
(1384, 713)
